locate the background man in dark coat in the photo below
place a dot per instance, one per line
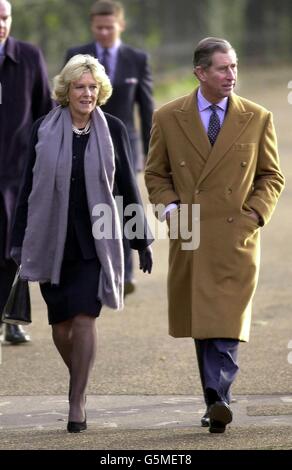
(25, 96)
(130, 75)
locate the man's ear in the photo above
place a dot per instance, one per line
(122, 24)
(200, 73)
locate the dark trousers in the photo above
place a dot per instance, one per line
(7, 273)
(217, 361)
(128, 260)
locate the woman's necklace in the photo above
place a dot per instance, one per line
(83, 131)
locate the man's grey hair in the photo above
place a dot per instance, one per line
(206, 48)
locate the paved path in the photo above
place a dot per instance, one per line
(143, 422)
(140, 412)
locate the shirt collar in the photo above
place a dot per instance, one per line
(112, 50)
(2, 51)
(203, 104)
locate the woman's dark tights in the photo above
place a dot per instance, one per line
(76, 340)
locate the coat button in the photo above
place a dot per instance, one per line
(230, 219)
(243, 164)
(197, 191)
(182, 163)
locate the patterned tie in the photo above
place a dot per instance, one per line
(105, 60)
(214, 125)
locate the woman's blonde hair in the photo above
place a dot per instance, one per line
(73, 71)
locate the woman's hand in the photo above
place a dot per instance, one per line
(145, 258)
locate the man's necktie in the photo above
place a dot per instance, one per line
(214, 125)
(105, 60)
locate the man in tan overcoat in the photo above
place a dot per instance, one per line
(218, 150)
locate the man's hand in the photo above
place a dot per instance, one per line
(145, 258)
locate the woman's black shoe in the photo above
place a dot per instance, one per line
(74, 426)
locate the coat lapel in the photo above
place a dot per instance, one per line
(234, 124)
(190, 122)
(123, 66)
(91, 50)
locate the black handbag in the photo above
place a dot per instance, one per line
(17, 310)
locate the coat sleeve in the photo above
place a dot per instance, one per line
(269, 180)
(20, 219)
(126, 186)
(144, 98)
(42, 102)
(158, 176)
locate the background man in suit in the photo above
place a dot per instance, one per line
(130, 75)
(25, 96)
(218, 150)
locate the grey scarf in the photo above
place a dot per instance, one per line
(45, 235)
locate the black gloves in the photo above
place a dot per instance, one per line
(145, 258)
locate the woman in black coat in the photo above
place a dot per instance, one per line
(69, 221)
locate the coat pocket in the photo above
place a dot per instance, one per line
(244, 147)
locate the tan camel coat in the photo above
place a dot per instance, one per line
(210, 288)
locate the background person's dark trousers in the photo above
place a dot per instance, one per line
(14, 334)
(129, 282)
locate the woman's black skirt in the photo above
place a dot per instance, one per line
(76, 293)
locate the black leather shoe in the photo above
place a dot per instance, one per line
(205, 420)
(74, 426)
(15, 334)
(220, 415)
